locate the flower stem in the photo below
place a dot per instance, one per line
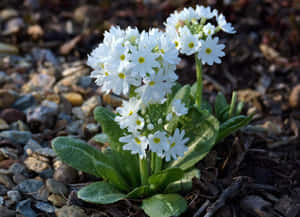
(199, 82)
(232, 104)
(158, 164)
(144, 171)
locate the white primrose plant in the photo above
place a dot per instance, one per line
(158, 135)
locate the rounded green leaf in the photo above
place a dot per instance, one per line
(101, 193)
(164, 205)
(141, 191)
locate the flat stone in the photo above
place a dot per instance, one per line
(24, 207)
(17, 168)
(42, 194)
(5, 212)
(3, 190)
(47, 174)
(65, 174)
(70, 211)
(11, 115)
(45, 207)
(56, 187)
(14, 196)
(20, 137)
(18, 178)
(6, 181)
(3, 124)
(74, 98)
(75, 127)
(7, 98)
(39, 82)
(89, 105)
(78, 113)
(24, 102)
(47, 152)
(57, 200)
(29, 186)
(36, 165)
(32, 145)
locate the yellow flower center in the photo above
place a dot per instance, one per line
(162, 51)
(106, 73)
(130, 113)
(137, 140)
(151, 83)
(156, 140)
(191, 44)
(122, 57)
(138, 122)
(208, 50)
(176, 43)
(122, 75)
(209, 32)
(173, 144)
(102, 65)
(141, 60)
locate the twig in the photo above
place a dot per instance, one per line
(229, 192)
(202, 208)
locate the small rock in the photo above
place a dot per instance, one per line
(19, 126)
(6, 181)
(47, 174)
(74, 98)
(8, 49)
(16, 136)
(24, 207)
(36, 165)
(78, 113)
(46, 152)
(74, 127)
(3, 77)
(35, 31)
(11, 115)
(57, 200)
(70, 211)
(92, 128)
(39, 82)
(40, 55)
(14, 196)
(7, 98)
(3, 125)
(83, 12)
(18, 178)
(32, 145)
(45, 207)
(294, 98)
(112, 100)
(42, 194)
(90, 105)
(5, 212)
(84, 81)
(24, 102)
(56, 187)
(272, 128)
(8, 13)
(3, 190)
(1, 201)
(65, 174)
(17, 168)
(29, 186)
(13, 26)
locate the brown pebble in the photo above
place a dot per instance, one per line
(11, 115)
(74, 98)
(65, 174)
(294, 99)
(7, 98)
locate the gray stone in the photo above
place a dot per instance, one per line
(29, 186)
(89, 105)
(57, 200)
(32, 144)
(75, 127)
(70, 211)
(1, 200)
(3, 190)
(84, 81)
(20, 137)
(17, 168)
(24, 207)
(65, 174)
(92, 128)
(13, 26)
(47, 174)
(56, 187)
(24, 102)
(44, 54)
(3, 77)
(5, 212)
(14, 196)
(45, 207)
(18, 178)
(78, 113)
(6, 181)
(42, 194)
(47, 152)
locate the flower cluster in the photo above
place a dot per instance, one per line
(192, 34)
(129, 60)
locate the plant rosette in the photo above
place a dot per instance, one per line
(158, 135)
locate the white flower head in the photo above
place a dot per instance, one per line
(189, 43)
(211, 51)
(150, 126)
(209, 29)
(158, 142)
(205, 12)
(176, 145)
(224, 25)
(179, 108)
(169, 117)
(136, 144)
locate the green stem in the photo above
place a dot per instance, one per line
(153, 157)
(158, 164)
(144, 171)
(199, 82)
(232, 104)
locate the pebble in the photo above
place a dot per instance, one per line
(11, 115)
(272, 128)
(14, 196)
(17, 168)
(74, 127)
(56, 187)
(24, 102)
(24, 207)
(112, 100)
(32, 145)
(57, 200)
(294, 98)
(65, 174)
(3, 124)
(29, 186)
(36, 165)
(78, 113)
(5, 212)
(1, 200)
(46, 207)
(20, 137)
(46, 152)
(42, 194)
(3, 190)
(74, 98)
(39, 82)
(90, 105)
(8, 13)
(44, 55)
(18, 178)
(6, 181)
(19, 126)
(7, 98)
(84, 81)
(47, 174)
(3, 77)
(92, 128)
(70, 211)
(13, 26)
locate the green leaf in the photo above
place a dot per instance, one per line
(106, 120)
(142, 191)
(82, 156)
(164, 205)
(185, 184)
(232, 125)
(101, 193)
(221, 107)
(161, 179)
(101, 138)
(202, 128)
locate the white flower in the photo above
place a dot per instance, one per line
(189, 14)
(168, 51)
(169, 117)
(205, 12)
(174, 20)
(136, 144)
(176, 145)
(222, 24)
(209, 29)
(131, 34)
(189, 42)
(159, 121)
(173, 36)
(210, 51)
(158, 142)
(179, 108)
(138, 124)
(150, 127)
